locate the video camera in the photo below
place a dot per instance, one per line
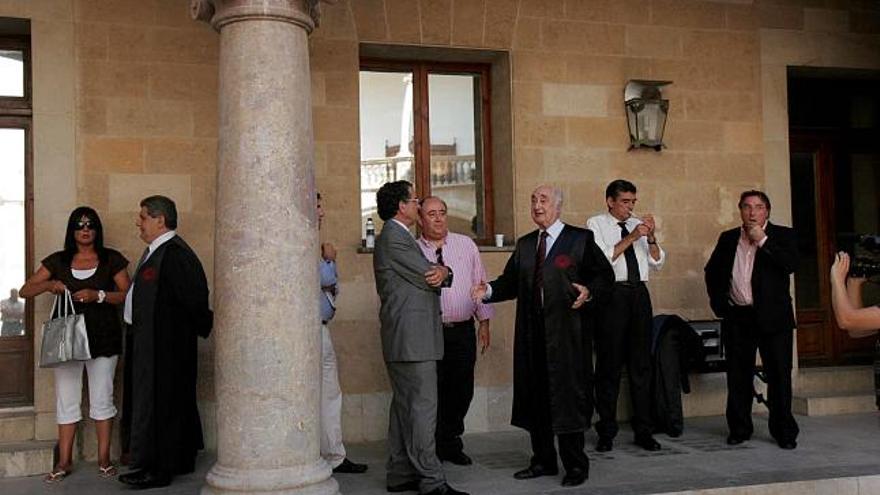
(866, 257)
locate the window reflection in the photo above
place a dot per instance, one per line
(455, 149)
(11, 73)
(386, 125)
(12, 242)
(447, 159)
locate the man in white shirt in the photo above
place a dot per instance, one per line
(624, 335)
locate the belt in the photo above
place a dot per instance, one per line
(451, 324)
(629, 285)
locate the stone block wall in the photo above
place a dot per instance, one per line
(125, 95)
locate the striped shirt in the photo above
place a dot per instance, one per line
(462, 256)
(743, 265)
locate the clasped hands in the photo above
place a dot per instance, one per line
(436, 275)
(478, 292)
(644, 229)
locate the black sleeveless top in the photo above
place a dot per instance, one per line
(102, 320)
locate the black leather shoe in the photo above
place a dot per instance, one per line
(735, 440)
(534, 471)
(350, 467)
(458, 458)
(409, 486)
(575, 477)
(141, 480)
(605, 444)
(132, 475)
(787, 444)
(445, 489)
(647, 442)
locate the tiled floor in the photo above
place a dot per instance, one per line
(829, 447)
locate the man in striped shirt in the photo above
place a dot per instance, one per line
(455, 373)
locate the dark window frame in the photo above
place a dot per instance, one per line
(420, 70)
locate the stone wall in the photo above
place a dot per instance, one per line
(125, 106)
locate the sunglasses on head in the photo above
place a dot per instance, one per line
(84, 225)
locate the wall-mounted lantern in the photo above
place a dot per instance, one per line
(646, 113)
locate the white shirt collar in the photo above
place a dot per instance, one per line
(629, 221)
(555, 229)
(162, 239)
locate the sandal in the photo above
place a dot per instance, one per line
(56, 476)
(108, 471)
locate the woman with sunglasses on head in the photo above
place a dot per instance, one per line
(98, 280)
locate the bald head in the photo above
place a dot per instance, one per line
(546, 206)
(432, 217)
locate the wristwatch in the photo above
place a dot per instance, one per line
(101, 296)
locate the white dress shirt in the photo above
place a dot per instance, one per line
(162, 239)
(606, 231)
(553, 232)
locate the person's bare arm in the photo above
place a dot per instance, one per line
(41, 281)
(846, 301)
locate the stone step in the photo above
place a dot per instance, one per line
(855, 485)
(828, 404)
(25, 458)
(16, 425)
(834, 379)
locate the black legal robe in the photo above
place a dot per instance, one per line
(565, 362)
(161, 428)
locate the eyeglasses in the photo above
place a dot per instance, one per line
(84, 226)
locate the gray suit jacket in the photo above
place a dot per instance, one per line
(410, 315)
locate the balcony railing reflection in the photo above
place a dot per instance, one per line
(453, 170)
(446, 171)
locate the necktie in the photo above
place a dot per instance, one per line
(632, 264)
(539, 269)
(439, 253)
(143, 258)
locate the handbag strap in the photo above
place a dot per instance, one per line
(68, 303)
(54, 305)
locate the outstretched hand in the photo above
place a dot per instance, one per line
(478, 292)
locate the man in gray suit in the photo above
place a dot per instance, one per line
(412, 343)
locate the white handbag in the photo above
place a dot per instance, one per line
(64, 337)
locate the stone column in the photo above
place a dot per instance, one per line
(267, 348)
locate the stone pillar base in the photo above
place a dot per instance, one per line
(300, 480)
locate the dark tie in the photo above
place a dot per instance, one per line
(539, 269)
(632, 264)
(143, 258)
(439, 253)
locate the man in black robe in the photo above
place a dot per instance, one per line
(556, 273)
(166, 309)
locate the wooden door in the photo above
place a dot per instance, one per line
(834, 181)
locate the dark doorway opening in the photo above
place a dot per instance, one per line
(834, 133)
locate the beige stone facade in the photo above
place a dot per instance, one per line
(125, 105)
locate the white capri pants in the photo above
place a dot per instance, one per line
(68, 389)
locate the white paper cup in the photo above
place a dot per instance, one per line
(499, 240)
